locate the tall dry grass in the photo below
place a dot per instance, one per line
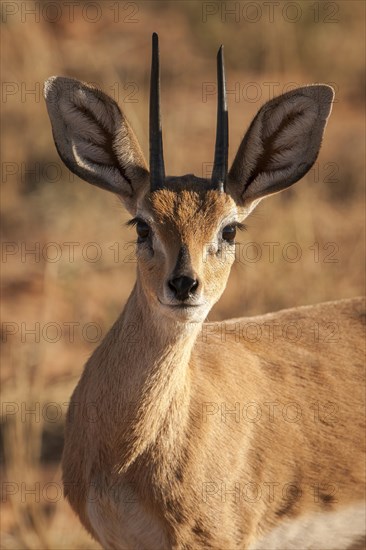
(71, 297)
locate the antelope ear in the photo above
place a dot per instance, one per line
(281, 145)
(94, 139)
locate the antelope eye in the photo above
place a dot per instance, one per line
(229, 233)
(142, 229)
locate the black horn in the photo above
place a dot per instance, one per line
(157, 170)
(219, 172)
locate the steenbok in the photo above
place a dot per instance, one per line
(176, 454)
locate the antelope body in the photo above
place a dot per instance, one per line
(178, 437)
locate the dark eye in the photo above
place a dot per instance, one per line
(143, 230)
(229, 233)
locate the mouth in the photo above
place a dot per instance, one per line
(180, 306)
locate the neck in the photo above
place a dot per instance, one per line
(151, 377)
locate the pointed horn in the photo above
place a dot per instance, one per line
(157, 170)
(219, 172)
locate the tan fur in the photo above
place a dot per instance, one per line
(236, 435)
(163, 424)
(165, 437)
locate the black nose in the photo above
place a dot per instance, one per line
(183, 287)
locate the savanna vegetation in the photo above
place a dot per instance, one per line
(67, 257)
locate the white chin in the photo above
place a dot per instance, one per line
(187, 314)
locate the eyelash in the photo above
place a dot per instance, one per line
(133, 222)
(239, 226)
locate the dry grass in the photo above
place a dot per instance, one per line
(325, 208)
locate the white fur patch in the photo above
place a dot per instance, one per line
(122, 523)
(317, 531)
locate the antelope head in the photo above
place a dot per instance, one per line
(186, 225)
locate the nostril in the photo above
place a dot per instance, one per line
(183, 287)
(194, 286)
(171, 285)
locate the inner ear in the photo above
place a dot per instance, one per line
(94, 138)
(281, 145)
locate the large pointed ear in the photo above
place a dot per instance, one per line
(281, 145)
(94, 139)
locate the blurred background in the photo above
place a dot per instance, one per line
(67, 258)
